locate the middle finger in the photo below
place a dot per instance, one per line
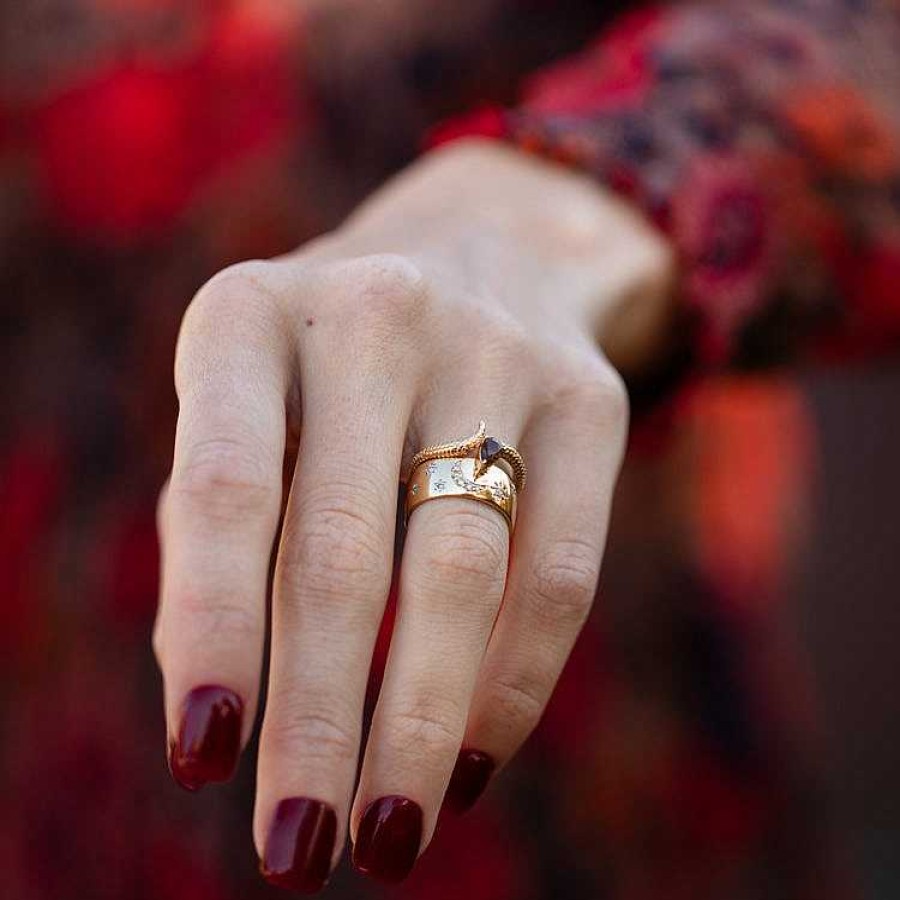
(331, 583)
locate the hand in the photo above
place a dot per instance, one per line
(474, 286)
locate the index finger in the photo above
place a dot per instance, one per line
(221, 515)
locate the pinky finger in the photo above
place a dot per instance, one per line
(556, 555)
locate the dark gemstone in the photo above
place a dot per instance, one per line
(490, 448)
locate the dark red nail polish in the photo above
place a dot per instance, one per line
(300, 845)
(209, 738)
(388, 839)
(470, 776)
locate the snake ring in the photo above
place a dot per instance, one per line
(481, 468)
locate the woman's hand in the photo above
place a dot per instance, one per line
(475, 286)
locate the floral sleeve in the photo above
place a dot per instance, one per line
(763, 138)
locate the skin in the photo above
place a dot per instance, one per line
(478, 284)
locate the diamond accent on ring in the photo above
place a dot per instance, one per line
(500, 491)
(497, 489)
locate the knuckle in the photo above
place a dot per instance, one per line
(467, 545)
(341, 549)
(240, 307)
(253, 272)
(227, 477)
(511, 341)
(320, 733)
(505, 349)
(563, 583)
(512, 359)
(240, 289)
(518, 700)
(219, 623)
(385, 288)
(429, 727)
(602, 396)
(592, 391)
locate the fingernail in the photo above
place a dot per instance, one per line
(388, 839)
(209, 738)
(300, 845)
(470, 776)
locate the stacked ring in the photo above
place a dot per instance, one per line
(480, 468)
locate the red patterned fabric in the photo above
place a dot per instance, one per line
(763, 138)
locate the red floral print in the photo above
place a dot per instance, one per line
(735, 127)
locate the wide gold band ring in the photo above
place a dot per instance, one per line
(481, 468)
(456, 477)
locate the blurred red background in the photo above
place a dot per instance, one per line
(728, 725)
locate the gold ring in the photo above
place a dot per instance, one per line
(481, 468)
(456, 477)
(487, 451)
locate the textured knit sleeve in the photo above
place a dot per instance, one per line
(762, 136)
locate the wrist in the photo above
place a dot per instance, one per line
(534, 234)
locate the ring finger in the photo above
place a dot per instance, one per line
(452, 578)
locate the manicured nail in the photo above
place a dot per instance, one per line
(209, 739)
(470, 776)
(388, 839)
(300, 845)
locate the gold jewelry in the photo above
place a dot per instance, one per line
(487, 451)
(455, 476)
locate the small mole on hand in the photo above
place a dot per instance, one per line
(310, 322)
